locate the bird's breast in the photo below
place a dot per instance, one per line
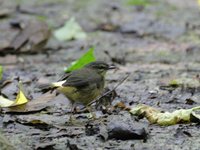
(82, 95)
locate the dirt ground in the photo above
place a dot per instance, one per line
(155, 43)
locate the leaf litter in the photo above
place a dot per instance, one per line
(20, 99)
(154, 116)
(135, 91)
(31, 38)
(71, 30)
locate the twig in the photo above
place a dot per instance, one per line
(96, 100)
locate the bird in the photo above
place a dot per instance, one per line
(83, 85)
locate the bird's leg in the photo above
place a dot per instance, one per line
(71, 118)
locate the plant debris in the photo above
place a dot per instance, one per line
(154, 116)
(20, 99)
(82, 61)
(71, 30)
(31, 39)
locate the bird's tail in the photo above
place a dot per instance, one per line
(45, 87)
(50, 87)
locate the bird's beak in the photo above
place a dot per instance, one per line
(111, 67)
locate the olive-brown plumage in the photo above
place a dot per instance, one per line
(83, 85)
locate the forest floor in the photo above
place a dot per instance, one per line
(154, 43)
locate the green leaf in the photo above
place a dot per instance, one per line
(82, 61)
(71, 30)
(1, 72)
(138, 2)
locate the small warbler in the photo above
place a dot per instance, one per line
(82, 85)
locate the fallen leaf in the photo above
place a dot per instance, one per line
(82, 61)
(40, 118)
(20, 99)
(71, 30)
(155, 116)
(122, 106)
(32, 38)
(33, 105)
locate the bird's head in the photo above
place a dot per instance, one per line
(100, 66)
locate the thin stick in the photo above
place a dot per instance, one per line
(96, 100)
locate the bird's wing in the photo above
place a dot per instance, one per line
(81, 78)
(64, 76)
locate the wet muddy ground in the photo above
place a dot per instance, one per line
(155, 43)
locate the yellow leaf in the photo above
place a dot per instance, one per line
(20, 99)
(155, 116)
(4, 102)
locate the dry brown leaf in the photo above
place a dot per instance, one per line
(32, 106)
(32, 38)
